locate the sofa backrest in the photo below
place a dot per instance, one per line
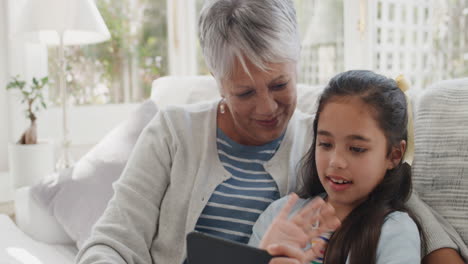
(440, 168)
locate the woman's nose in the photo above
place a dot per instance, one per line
(266, 104)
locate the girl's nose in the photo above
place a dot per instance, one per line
(337, 160)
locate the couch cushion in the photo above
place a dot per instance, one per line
(78, 196)
(18, 248)
(440, 169)
(36, 222)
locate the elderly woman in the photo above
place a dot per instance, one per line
(216, 166)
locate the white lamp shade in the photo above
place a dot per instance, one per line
(79, 21)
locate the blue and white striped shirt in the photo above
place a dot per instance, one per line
(236, 203)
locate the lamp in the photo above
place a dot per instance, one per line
(62, 22)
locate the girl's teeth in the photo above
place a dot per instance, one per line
(339, 181)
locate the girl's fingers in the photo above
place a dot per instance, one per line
(323, 219)
(286, 251)
(284, 261)
(302, 217)
(310, 212)
(317, 250)
(284, 213)
(328, 218)
(311, 207)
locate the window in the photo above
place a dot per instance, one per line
(451, 39)
(425, 40)
(122, 69)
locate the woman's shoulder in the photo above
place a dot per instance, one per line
(303, 115)
(186, 124)
(196, 108)
(300, 118)
(298, 135)
(190, 114)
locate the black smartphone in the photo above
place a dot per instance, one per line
(208, 249)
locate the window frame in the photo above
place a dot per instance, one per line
(358, 37)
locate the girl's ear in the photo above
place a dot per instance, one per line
(396, 155)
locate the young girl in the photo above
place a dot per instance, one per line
(356, 165)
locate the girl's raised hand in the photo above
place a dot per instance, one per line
(289, 236)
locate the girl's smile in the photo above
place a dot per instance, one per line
(338, 183)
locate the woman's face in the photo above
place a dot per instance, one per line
(258, 108)
(351, 152)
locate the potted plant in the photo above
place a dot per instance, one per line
(30, 158)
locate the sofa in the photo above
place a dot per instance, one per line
(55, 216)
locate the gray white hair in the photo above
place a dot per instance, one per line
(263, 31)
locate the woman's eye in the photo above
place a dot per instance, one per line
(279, 86)
(325, 145)
(358, 149)
(245, 94)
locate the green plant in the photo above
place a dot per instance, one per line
(32, 95)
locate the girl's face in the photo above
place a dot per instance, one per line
(351, 152)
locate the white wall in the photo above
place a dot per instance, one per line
(4, 117)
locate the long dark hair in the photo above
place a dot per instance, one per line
(359, 233)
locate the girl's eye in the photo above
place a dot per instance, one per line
(325, 145)
(358, 149)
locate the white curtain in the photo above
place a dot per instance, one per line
(182, 21)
